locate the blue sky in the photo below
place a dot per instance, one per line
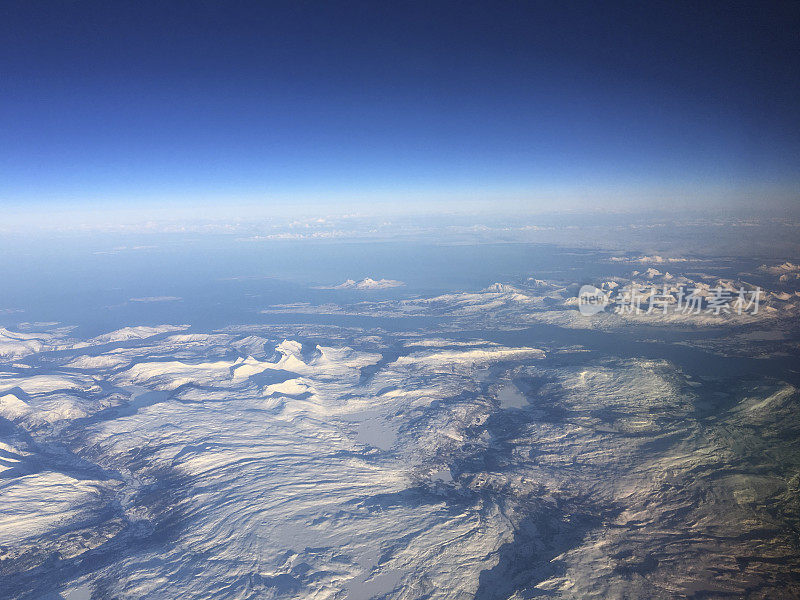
(538, 105)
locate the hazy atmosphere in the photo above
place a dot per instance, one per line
(399, 300)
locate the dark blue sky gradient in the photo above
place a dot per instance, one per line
(145, 101)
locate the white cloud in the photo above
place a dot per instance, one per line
(648, 259)
(156, 299)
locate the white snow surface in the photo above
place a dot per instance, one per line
(367, 283)
(327, 462)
